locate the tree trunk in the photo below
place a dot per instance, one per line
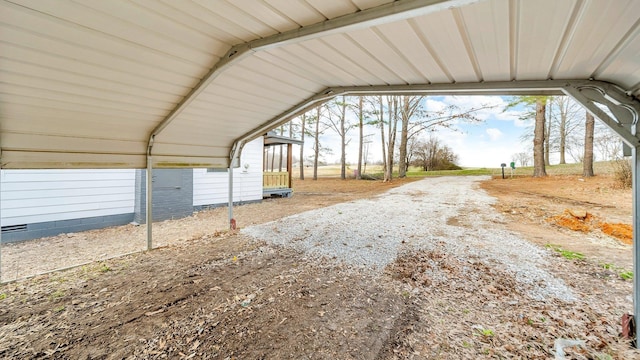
(539, 140)
(303, 120)
(404, 113)
(361, 139)
(273, 157)
(280, 160)
(384, 151)
(343, 141)
(587, 162)
(393, 123)
(547, 133)
(316, 148)
(563, 131)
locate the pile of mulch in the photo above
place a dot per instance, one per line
(580, 220)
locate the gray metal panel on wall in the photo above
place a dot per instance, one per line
(172, 194)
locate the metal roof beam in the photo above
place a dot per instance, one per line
(397, 10)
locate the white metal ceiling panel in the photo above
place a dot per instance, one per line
(241, 17)
(316, 63)
(542, 27)
(78, 22)
(359, 61)
(90, 83)
(599, 27)
(489, 40)
(66, 68)
(448, 46)
(623, 67)
(366, 4)
(333, 8)
(385, 53)
(299, 11)
(410, 46)
(335, 56)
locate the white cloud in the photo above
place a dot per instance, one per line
(435, 105)
(494, 134)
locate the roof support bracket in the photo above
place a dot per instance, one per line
(611, 105)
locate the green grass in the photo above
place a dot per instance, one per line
(600, 168)
(607, 266)
(3, 296)
(485, 332)
(56, 294)
(567, 254)
(104, 268)
(463, 172)
(626, 275)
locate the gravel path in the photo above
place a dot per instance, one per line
(445, 213)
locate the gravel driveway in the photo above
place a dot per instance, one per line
(450, 214)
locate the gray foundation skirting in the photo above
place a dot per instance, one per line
(53, 228)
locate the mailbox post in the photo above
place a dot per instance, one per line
(503, 165)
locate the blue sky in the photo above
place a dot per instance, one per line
(485, 144)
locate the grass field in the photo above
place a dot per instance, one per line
(601, 167)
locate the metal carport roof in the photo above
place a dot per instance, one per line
(93, 83)
(161, 83)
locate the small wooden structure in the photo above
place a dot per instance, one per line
(277, 183)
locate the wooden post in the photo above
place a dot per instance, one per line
(290, 163)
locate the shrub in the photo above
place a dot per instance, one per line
(623, 172)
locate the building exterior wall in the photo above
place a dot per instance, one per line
(211, 188)
(37, 203)
(172, 194)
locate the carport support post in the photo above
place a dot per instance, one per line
(232, 224)
(149, 203)
(636, 237)
(0, 224)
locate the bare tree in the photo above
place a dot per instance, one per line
(409, 106)
(539, 138)
(380, 112)
(392, 109)
(565, 117)
(336, 119)
(416, 119)
(280, 148)
(521, 158)
(303, 120)
(431, 155)
(546, 148)
(539, 104)
(375, 107)
(587, 163)
(317, 147)
(606, 142)
(361, 136)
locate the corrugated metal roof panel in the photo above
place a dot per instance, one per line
(107, 75)
(448, 46)
(299, 11)
(489, 40)
(539, 37)
(333, 8)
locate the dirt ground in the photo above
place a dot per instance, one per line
(531, 203)
(209, 293)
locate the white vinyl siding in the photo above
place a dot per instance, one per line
(34, 196)
(211, 188)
